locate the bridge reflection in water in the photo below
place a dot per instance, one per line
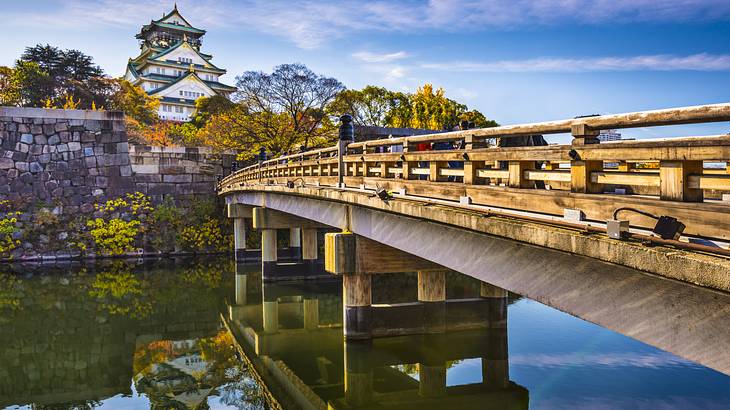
(157, 335)
(293, 335)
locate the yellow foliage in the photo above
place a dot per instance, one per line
(204, 237)
(70, 104)
(114, 237)
(121, 294)
(7, 229)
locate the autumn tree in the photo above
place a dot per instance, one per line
(368, 106)
(296, 92)
(427, 108)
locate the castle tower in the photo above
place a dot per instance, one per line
(172, 68)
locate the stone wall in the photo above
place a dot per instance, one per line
(70, 158)
(184, 173)
(63, 162)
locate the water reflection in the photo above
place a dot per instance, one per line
(207, 334)
(119, 335)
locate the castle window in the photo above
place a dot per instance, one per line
(178, 109)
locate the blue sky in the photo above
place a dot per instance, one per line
(516, 61)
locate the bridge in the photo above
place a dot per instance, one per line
(591, 228)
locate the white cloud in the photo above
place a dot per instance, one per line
(694, 62)
(309, 23)
(369, 57)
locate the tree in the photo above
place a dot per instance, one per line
(293, 90)
(429, 108)
(241, 129)
(134, 101)
(71, 74)
(368, 106)
(25, 85)
(206, 107)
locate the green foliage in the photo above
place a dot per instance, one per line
(426, 108)
(25, 85)
(167, 220)
(114, 237)
(10, 293)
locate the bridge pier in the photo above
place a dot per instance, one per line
(302, 262)
(357, 259)
(240, 213)
(432, 294)
(432, 379)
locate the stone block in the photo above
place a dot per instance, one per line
(146, 169)
(49, 129)
(65, 136)
(62, 148)
(20, 147)
(171, 169)
(88, 137)
(22, 166)
(122, 147)
(41, 139)
(36, 129)
(6, 163)
(160, 189)
(44, 158)
(144, 178)
(12, 173)
(36, 167)
(61, 126)
(74, 146)
(26, 138)
(92, 125)
(54, 139)
(125, 170)
(178, 179)
(89, 152)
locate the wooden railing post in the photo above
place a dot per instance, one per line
(580, 170)
(517, 174)
(674, 181)
(470, 167)
(347, 136)
(406, 165)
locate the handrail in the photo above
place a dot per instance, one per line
(670, 179)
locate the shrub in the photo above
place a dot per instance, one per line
(114, 237)
(205, 237)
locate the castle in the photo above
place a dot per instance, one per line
(172, 68)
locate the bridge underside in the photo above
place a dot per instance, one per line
(561, 268)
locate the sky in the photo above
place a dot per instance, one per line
(516, 61)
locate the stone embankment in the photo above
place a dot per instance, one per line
(62, 163)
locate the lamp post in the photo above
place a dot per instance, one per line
(347, 136)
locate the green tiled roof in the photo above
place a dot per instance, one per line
(178, 27)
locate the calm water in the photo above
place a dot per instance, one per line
(194, 334)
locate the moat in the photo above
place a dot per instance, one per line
(204, 333)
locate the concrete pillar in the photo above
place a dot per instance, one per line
(358, 374)
(269, 254)
(241, 280)
(432, 380)
(496, 299)
(311, 313)
(295, 243)
(239, 238)
(432, 293)
(270, 313)
(357, 297)
(310, 248)
(495, 364)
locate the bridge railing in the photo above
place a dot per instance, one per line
(670, 176)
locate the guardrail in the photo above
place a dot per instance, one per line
(664, 176)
